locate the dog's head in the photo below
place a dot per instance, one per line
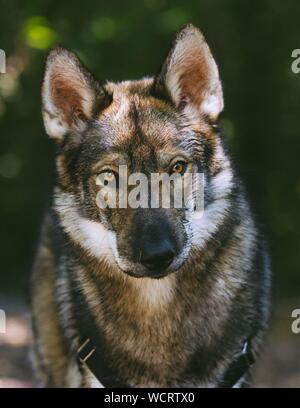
(165, 124)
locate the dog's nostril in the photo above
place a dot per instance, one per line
(157, 257)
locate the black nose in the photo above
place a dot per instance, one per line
(157, 255)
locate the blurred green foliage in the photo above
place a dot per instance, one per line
(252, 42)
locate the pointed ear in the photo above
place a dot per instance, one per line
(70, 95)
(190, 75)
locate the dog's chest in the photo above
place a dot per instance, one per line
(152, 351)
(148, 340)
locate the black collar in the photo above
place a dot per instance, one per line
(239, 367)
(88, 356)
(92, 354)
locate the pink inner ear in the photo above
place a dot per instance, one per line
(66, 98)
(194, 78)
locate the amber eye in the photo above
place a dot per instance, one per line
(179, 167)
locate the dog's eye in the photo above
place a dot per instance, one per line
(108, 176)
(179, 167)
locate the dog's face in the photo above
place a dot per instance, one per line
(156, 125)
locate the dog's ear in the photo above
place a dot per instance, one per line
(70, 95)
(190, 75)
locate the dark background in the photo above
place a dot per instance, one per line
(251, 40)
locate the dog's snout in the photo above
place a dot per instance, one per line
(157, 255)
(156, 245)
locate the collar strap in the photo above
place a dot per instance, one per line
(239, 367)
(88, 356)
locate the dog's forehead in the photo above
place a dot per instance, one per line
(136, 113)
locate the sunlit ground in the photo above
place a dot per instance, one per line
(15, 364)
(279, 365)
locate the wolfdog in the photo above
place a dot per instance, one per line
(145, 297)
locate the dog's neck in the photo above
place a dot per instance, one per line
(139, 294)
